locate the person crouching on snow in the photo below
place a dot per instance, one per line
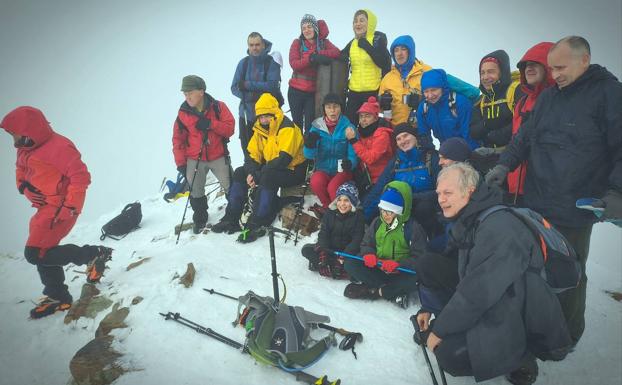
(392, 240)
(342, 230)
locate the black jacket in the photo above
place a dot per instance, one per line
(342, 232)
(573, 145)
(489, 302)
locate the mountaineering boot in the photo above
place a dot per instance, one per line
(318, 210)
(251, 235)
(199, 218)
(356, 290)
(95, 268)
(226, 226)
(48, 306)
(526, 374)
(402, 300)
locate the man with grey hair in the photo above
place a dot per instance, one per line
(480, 329)
(572, 142)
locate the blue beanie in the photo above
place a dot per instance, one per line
(392, 200)
(436, 78)
(349, 190)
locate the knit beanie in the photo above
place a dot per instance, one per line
(404, 127)
(191, 83)
(392, 200)
(456, 149)
(349, 190)
(307, 18)
(371, 106)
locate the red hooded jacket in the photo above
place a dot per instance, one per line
(52, 164)
(538, 53)
(305, 73)
(375, 151)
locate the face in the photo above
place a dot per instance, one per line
(194, 98)
(432, 95)
(405, 141)
(360, 26)
(343, 204)
(387, 216)
(365, 119)
(401, 54)
(566, 66)
(307, 31)
(489, 74)
(450, 197)
(256, 46)
(265, 120)
(534, 73)
(444, 162)
(332, 111)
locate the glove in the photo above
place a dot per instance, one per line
(497, 175)
(32, 194)
(203, 124)
(66, 213)
(182, 169)
(484, 151)
(311, 139)
(346, 165)
(413, 100)
(613, 205)
(389, 266)
(242, 86)
(385, 100)
(364, 44)
(370, 260)
(328, 253)
(317, 58)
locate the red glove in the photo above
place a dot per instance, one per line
(66, 213)
(370, 260)
(389, 266)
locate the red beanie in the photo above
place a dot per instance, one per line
(370, 106)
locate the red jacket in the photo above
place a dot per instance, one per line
(187, 139)
(538, 54)
(305, 73)
(375, 151)
(52, 164)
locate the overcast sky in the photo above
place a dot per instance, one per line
(107, 73)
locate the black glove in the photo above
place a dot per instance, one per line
(613, 205)
(312, 139)
(241, 86)
(203, 124)
(413, 100)
(497, 175)
(321, 59)
(182, 169)
(346, 165)
(385, 100)
(22, 187)
(364, 44)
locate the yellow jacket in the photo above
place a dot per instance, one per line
(282, 135)
(393, 83)
(365, 74)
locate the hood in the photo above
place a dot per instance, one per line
(323, 28)
(28, 121)
(372, 21)
(404, 189)
(504, 65)
(267, 104)
(266, 50)
(436, 78)
(407, 42)
(538, 53)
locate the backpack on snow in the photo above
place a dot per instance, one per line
(279, 335)
(176, 189)
(561, 269)
(121, 225)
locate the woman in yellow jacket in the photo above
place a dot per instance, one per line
(275, 160)
(400, 89)
(368, 60)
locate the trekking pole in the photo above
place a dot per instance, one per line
(346, 255)
(301, 205)
(212, 291)
(275, 282)
(413, 319)
(194, 174)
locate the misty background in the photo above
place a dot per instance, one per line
(107, 74)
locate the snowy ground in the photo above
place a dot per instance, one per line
(38, 352)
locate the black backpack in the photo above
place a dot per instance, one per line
(121, 225)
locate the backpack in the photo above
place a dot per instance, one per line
(451, 101)
(561, 269)
(510, 95)
(266, 66)
(121, 225)
(176, 189)
(279, 335)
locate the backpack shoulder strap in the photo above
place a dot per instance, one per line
(510, 94)
(244, 69)
(180, 124)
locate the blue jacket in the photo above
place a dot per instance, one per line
(254, 81)
(418, 167)
(439, 117)
(331, 147)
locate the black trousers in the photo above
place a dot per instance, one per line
(453, 356)
(355, 101)
(302, 107)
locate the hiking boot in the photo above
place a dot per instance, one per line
(48, 306)
(312, 266)
(249, 235)
(360, 291)
(402, 301)
(225, 226)
(318, 210)
(197, 228)
(339, 272)
(95, 268)
(526, 374)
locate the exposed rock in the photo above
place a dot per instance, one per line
(112, 320)
(615, 295)
(137, 300)
(89, 304)
(136, 264)
(96, 363)
(188, 278)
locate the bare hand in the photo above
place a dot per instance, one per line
(433, 341)
(423, 320)
(350, 134)
(250, 181)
